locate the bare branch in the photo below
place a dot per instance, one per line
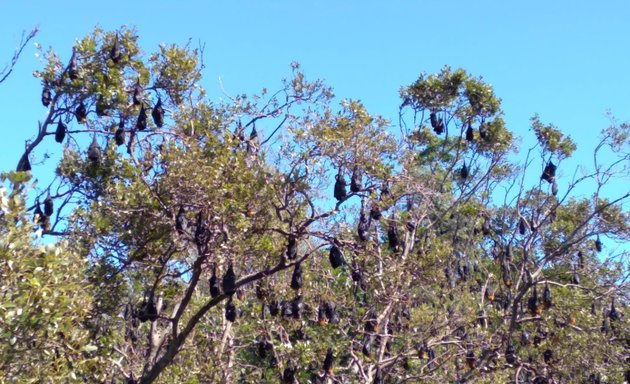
(8, 68)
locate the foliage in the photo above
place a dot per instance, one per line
(45, 308)
(438, 272)
(552, 140)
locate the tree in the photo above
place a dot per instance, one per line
(221, 255)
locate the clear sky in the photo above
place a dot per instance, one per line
(568, 61)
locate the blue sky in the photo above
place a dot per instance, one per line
(565, 60)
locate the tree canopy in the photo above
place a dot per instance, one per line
(287, 236)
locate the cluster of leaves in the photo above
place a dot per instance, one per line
(45, 307)
(552, 140)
